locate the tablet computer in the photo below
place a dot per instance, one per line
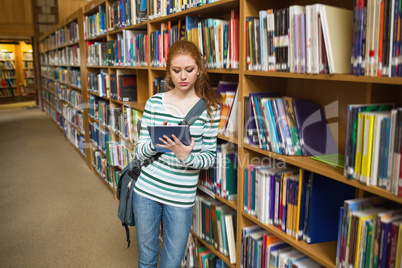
(182, 132)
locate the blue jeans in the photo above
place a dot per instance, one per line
(176, 223)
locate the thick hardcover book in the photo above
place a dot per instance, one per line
(327, 196)
(315, 135)
(336, 25)
(127, 87)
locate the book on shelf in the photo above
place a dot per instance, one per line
(95, 24)
(219, 229)
(222, 178)
(261, 248)
(228, 91)
(315, 135)
(336, 27)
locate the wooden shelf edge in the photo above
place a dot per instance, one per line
(329, 77)
(327, 170)
(196, 10)
(324, 253)
(212, 248)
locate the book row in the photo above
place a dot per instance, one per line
(7, 92)
(74, 117)
(7, 55)
(73, 97)
(95, 24)
(102, 168)
(124, 13)
(7, 74)
(28, 73)
(7, 65)
(69, 76)
(370, 234)
(130, 49)
(373, 145)
(125, 122)
(61, 37)
(221, 179)
(98, 136)
(215, 223)
(301, 39)
(161, 8)
(376, 38)
(287, 126)
(262, 249)
(64, 56)
(27, 65)
(159, 85)
(27, 56)
(8, 83)
(200, 256)
(118, 154)
(217, 40)
(302, 204)
(71, 133)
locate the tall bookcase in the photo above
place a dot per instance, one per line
(328, 90)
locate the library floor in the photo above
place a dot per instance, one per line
(54, 211)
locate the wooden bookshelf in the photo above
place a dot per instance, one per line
(325, 89)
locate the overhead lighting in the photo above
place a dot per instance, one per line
(4, 50)
(30, 51)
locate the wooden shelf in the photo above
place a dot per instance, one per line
(329, 77)
(320, 88)
(324, 169)
(323, 253)
(217, 253)
(208, 10)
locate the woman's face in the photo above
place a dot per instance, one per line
(183, 72)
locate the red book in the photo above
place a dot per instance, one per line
(393, 243)
(234, 39)
(400, 176)
(380, 41)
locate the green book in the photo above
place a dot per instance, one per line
(336, 160)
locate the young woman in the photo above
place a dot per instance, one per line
(166, 189)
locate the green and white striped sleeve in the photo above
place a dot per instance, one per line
(145, 148)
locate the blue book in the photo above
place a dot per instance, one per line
(251, 127)
(338, 244)
(327, 196)
(315, 136)
(191, 23)
(385, 237)
(262, 128)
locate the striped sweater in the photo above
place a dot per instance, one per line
(169, 180)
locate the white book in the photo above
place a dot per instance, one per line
(231, 237)
(263, 40)
(231, 128)
(337, 30)
(293, 10)
(309, 56)
(379, 116)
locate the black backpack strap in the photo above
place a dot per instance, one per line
(127, 234)
(194, 113)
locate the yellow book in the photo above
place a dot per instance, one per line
(359, 145)
(363, 216)
(367, 148)
(398, 260)
(97, 24)
(297, 233)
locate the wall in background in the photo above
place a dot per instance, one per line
(67, 7)
(16, 18)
